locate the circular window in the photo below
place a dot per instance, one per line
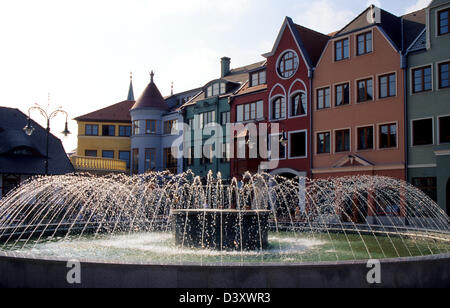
(288, 64)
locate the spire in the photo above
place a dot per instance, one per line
(130, 91)
(151, 76)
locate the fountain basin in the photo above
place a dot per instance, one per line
(221, 229)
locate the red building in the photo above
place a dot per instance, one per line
(249, 105)
(290, 68)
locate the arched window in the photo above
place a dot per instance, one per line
(278, 108)
(288, 64)
(299, 105)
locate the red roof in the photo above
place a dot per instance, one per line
(151, 98)
(119, 112)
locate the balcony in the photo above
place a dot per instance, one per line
(98, 164)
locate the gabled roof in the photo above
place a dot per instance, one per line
(390, 24)
(414, 25)
(313, 42)
(151, 98)
(119, 112)
(12, 137)
(310, 43)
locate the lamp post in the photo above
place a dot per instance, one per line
(29, 129)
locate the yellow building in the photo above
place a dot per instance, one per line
(104, 141)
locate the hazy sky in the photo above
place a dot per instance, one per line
(81, 52)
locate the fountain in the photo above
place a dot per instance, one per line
(158, 223)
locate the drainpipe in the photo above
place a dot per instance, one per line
(311, 135)
(404, 66)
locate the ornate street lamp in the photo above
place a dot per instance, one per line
(29, 129)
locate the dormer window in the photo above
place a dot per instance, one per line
(215, 89)
(258, 78)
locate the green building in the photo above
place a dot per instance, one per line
(428, 102)
(208, 108)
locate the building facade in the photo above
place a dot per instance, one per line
(428, 105)
(290, 67)
(157, 131)
(359, 113)
(208, 142)
(248, 106)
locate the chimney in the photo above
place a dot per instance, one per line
(225, 66)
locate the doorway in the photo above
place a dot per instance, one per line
(448, 197)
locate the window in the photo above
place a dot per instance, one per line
(288, 64)
(135, 128)
(150, 160)
(343, 140)
(150, 127)
(297, 144)
(422, 79)
(365, 90)
(258, 78)
(226, 153)
(422, 131)
(225, 118)
(364, 43)
(170, 127)
(108, 154)
(388, 136)
(365, 138)
(218, 88)
(207, 155)
(190, 156)
(427, 185)
(90, 153)
(443, 21)
(124, 131)
(135, 161)
(279, 108)
(91, 130)
(125, 156)
(443, 75)
(342, 50)
(298, 104)
(250, 112)
(323, 98)
(275, 139)
(206, 118)
(444, 129)
(323, 143)
(108, 130)
(388, 86)
(343, 94)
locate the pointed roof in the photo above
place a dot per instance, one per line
(310, 43)
(130, 91)
(375, 16)
(151, 98)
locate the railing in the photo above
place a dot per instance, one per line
(98, 164)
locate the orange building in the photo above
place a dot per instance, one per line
(359, 110)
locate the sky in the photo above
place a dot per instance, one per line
(79, 54)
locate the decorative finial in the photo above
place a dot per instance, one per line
(171, 89)
(131, 76)
(151, 76)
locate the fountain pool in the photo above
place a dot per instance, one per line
(263, 221)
